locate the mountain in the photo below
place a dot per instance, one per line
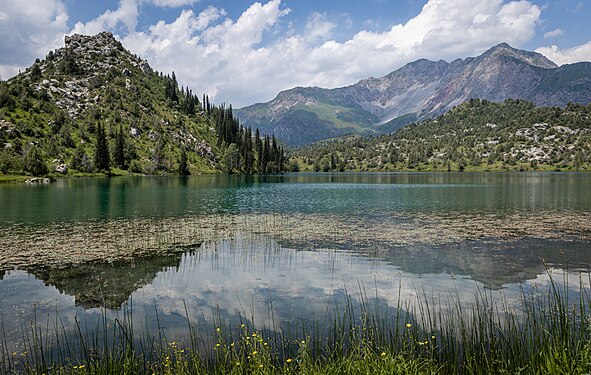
(95, 91)
(419, 90)
(477, 135)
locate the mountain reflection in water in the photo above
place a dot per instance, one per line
(254, 278)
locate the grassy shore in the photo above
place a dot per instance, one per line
(302, 167)
(547, 334)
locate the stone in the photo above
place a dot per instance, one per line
(153, 135)
(145, 67)
(38, 180)
(61, 168)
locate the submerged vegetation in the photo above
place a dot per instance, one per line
(548, 332)
(477, 135)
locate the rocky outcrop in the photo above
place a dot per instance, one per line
(418, 90)
(38, 180)
(89, 61)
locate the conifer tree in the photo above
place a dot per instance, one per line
(102, 160)
(183, 163)
(120, 149)
(265, 155)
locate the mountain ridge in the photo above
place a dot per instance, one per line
(418, 90)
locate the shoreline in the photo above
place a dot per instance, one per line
(13, 179)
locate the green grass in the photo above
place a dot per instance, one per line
(5, 179)
(342, 117)
(547, 333)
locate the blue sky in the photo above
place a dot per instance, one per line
(242, 51)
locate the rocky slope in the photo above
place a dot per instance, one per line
(419, 90)
(57, 104)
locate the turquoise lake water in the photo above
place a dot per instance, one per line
(294, 247)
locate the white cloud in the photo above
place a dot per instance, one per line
(253, 57)
(29, 30)
(226, 58)
(172, 3)
(126, 14)
(318, 28)
(567, 56)
(554, 33)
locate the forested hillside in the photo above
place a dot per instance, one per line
(93, 107)
(476, 135)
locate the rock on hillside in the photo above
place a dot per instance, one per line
(87, 59)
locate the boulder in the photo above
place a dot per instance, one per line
(38, 180)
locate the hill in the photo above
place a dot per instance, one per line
(419, 90)
(476, 135)
(94, 91)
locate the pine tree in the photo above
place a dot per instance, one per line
(183, 163)
(266, 155)
(174, 86)
(102, 160)
(120, 149)
(259, 149)
(249, 156)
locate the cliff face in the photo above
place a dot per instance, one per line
(418, 90)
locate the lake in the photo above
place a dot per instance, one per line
(279, 252)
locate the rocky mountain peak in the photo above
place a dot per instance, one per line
(530, 58)
(73, 75)
(419, 90)
(101, 51)
(103, 39)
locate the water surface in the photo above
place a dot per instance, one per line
(279, 250)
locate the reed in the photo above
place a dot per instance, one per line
(547, 332)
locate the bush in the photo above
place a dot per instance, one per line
(34, 163)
